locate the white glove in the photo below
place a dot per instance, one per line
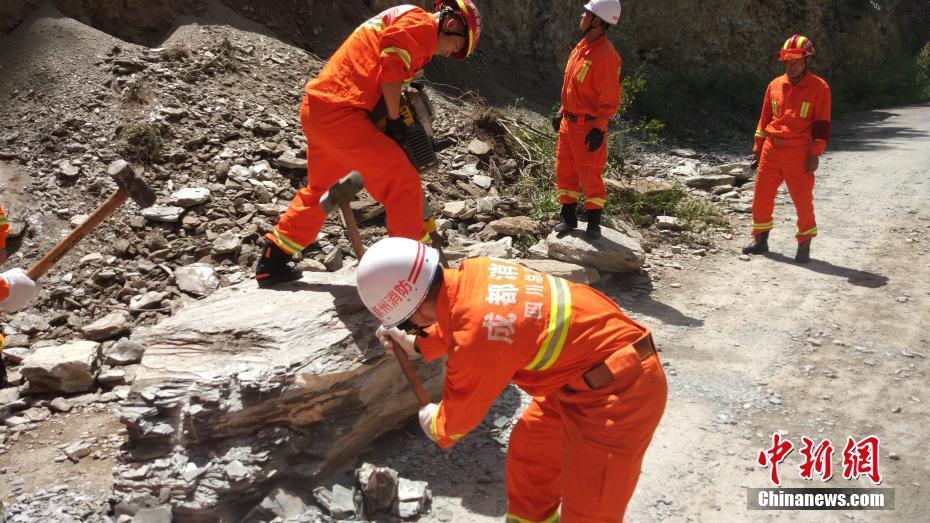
(427, 414)
(22, 290)
(395, 337)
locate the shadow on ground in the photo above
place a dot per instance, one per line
(853, 276)
(633, 293)
(869, 131)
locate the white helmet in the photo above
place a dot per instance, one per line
(606, 10)
(394, 277)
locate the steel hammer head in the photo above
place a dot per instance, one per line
(342, 191)
(127, 180)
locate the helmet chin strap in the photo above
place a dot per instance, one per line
(590, 25)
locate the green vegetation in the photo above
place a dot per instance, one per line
(897, 81)
(140, 142)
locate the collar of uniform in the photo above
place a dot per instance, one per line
(588, 48)
(445, 299)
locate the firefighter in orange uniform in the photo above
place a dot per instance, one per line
(598, 387)
(374, 62)
(16, 289)
(792, 134)
(590, 96)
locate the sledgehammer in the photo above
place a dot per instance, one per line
(130, 186)
(339, 195)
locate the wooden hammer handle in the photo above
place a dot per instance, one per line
(68, 242)
(352, 230)
(411, 375)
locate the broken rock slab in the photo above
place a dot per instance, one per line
(163, 213)
(290, 382)
(110, 326)
(569, 271)
(70, 368)
(516, 226)
(707, 182)
(378, 486)
(613, 252)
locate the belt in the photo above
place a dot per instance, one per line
(788, 141)
(573, 118)
(600, 375)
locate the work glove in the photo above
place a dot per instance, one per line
(22, 290)
(394, 337)
(813, 162)
(427, 414)
(396, 129)
(595, 139)
(557, 123)
(754, 164)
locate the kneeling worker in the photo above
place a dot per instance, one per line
(598, 387)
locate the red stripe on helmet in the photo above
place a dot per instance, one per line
(417, 263)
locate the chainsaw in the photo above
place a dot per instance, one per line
(416, 110)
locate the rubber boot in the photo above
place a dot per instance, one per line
(593, 231)
(275, 266)
(568, 220)
(804, 252)
(759, 245)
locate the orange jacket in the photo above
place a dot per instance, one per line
(391, 47)
(592, 81)
(4, 228)
(796, 112)
(499, 322)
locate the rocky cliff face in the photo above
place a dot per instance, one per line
(692, 50)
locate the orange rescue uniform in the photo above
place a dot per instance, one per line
(391, 47)
(4, 228)
(579, 448)
(795, 124)
(591, 94)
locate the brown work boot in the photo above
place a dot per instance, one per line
(568, 220)
(804, 252)
(275, 266)
(759, 245)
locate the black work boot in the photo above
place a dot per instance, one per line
(594, 224)
(275, 266)
(759, 245)
(568, 220)
(804, 252)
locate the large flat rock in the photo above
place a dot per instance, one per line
(613, 252)
(289, 382)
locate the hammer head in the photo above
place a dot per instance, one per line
(127, 180)
(342, 191)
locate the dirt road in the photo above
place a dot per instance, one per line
(825, 350)
(832, 349)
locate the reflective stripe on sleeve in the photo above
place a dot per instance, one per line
(401, 53)
(760, 133)
(560, 315)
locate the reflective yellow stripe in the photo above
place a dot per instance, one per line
(760, 133)
(435, 433)
(401, 53)
(762, 226)
(774, 107)
(583, 73)
(560, 315)
(596, 201)
(805, 107)
(571, 194)
(375, 24)
(511, 518)
(809, 232)
(286, 244)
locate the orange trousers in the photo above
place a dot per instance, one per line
(784, 163)
(341, 139)
(577, 171)
(584, 450)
